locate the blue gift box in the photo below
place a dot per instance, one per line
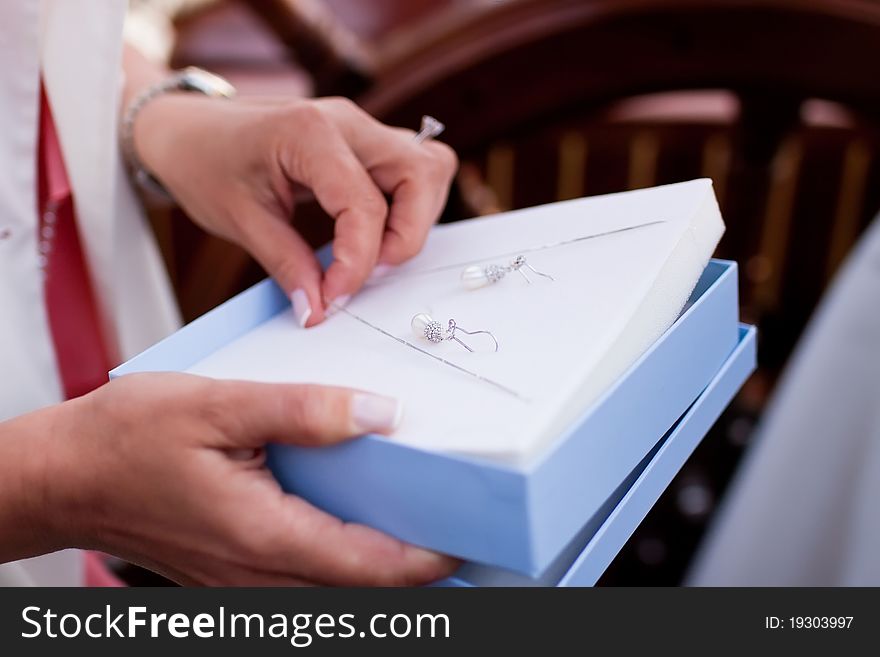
(554, 520)
(586, 557)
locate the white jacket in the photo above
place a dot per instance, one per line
(77, 46)
(803, 508)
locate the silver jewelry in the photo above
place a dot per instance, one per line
(390, 278)
(189, 79)
(475, 277)
(425, 326)
(430, 128)
(455, 366)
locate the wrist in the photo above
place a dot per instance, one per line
(149, 102)
(30, 518)
(72, 473)
(155, 130)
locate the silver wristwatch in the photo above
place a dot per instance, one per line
(190, 79)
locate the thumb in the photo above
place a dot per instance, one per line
(304, 414)
(288, 258)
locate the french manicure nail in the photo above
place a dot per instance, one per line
(337, 304)
(379, 271)
(341, 301)
(429, 565)
(302, 310)
(375, 413)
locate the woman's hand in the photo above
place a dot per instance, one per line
(233, 166)
(167, 471)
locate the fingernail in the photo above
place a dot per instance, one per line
(340, 302)
(301, 308)
(337, 304)
(375, 413)
(379, 271)
(429, 566)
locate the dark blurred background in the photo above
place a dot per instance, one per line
(778, 101)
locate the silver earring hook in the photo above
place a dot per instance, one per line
(519, 263)
(540, 273)
(533, 270)
(425, 326)
(453, 327)
(475, 277)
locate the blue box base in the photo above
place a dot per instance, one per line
(518, 518)
(592, 551)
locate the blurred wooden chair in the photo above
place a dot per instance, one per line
(776, 100)
(546, 98)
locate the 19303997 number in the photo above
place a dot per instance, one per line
(820, 622)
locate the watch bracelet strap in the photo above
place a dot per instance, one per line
(139, 173)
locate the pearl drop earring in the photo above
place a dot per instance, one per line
(475, 277)
(425, 326)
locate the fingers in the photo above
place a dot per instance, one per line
(304, 544)
(251, 414)
(288, 258)
(348, 159)
(417, 203)
(321, 548)
(356, 243)
(321, 159)
(416, 175)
